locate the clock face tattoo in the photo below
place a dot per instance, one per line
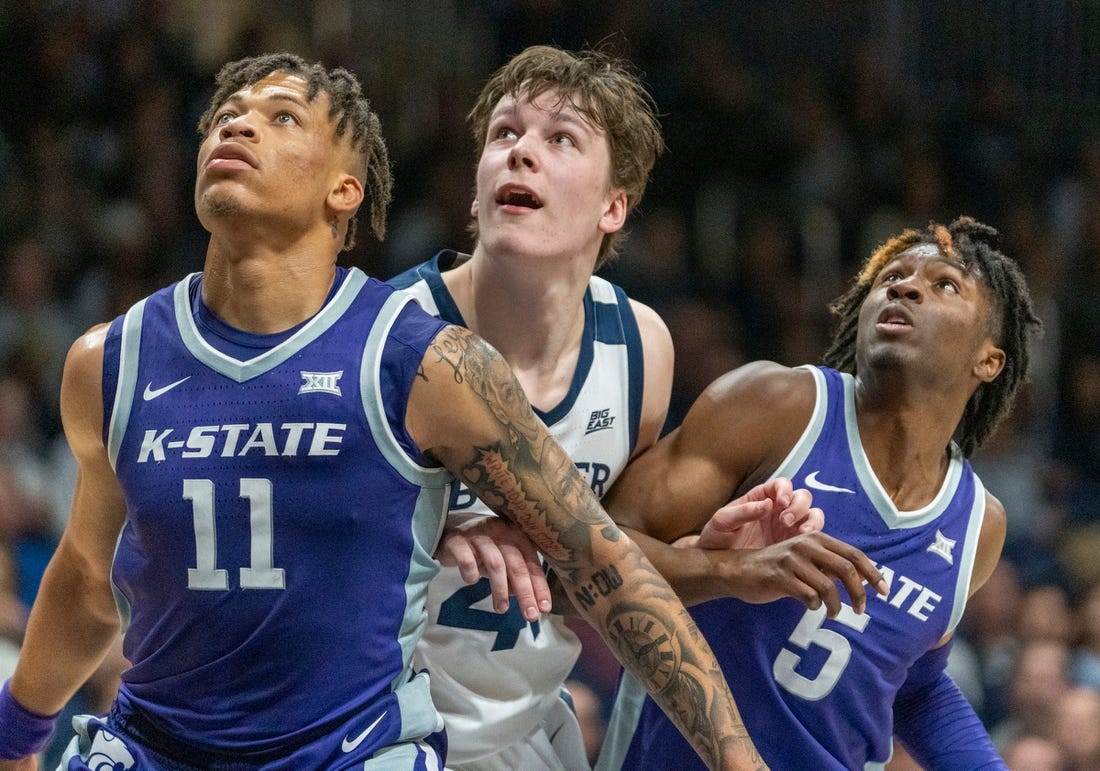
(642, 636)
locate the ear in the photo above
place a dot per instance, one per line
(614, 215)
(991, 363)
(345, 195)
(473, 209)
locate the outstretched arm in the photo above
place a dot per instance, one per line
(74, 619)
(468, 410)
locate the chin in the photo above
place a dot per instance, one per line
(510, 243)
(884, 360)
(218, 205)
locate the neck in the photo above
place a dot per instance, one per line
(264, 290)
(905, 435)
(530, 312)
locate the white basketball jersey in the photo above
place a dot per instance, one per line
(494, 675)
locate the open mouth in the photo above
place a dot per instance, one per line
(514, 196)
(895, 316)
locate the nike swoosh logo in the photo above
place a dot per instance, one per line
(350, 744)
(152, 393)
(811, 481)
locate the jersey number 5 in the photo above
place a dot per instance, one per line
(207, 575)
(811, 632)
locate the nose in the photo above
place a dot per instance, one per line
(239, 125)
(523, 154)
(906, 287)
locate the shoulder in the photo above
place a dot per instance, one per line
(650, 324)
(81, 388)
(656, 339)
(407, 278)
(769, 386)
(86, 353)
(990, 542)
(747, 420)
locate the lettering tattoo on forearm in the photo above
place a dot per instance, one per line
(603, 583)
(496, 484)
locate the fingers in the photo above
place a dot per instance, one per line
(813, 522)
(525, 580)
(780, 490)
(852, 568)
(815, 569)
(735, 526)
(494, 566)
(455, 551)
(736, 513)
(800, 510)
(867, 571)
(496, 550)
(777, 491)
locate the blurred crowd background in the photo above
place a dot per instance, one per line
(801, 134)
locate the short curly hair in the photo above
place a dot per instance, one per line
(349, 109)
(1012, 319)
(606, 91)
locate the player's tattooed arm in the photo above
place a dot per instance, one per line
(518, 470)
(483, 429)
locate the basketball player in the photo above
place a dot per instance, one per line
(263, 452)
(929, 351)
(567, 143)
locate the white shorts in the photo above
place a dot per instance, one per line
(556, 744)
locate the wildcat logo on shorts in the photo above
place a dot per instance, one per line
(321, 382)
(109, 753)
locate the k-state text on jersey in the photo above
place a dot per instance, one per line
(242, 439)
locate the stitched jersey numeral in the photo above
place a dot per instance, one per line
(810, 631)
(260, 574)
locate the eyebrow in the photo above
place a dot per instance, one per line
(277, 96)
(558, 115)
(969, 269)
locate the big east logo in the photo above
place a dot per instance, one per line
(599, 420)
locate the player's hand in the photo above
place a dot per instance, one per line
(766, 514)
(810, 567)
(24, 764)
(775, 548)
(493, 548)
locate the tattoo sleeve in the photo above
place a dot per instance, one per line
(523, 474)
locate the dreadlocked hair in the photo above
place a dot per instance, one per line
(349, 110)
(605, 91)
(973, 245)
